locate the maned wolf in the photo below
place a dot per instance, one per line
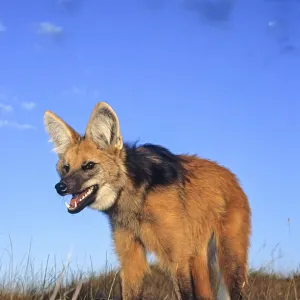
(190, 212)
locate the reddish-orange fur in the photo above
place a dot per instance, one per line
(215, 203)
(177, 222)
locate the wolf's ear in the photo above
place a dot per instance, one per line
(61, 134)
(103, 127)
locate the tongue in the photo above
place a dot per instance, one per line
(75, 199)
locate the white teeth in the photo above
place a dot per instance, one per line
(87, 193)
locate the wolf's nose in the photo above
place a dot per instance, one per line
(61, 188)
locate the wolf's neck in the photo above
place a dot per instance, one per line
(128, 210)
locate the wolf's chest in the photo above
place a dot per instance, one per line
(140, 224)
(154, 235)
(130, 221)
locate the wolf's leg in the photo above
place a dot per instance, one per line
(182, 280)
(132, 257)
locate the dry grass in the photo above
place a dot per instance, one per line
(105, 285)
(25, 283)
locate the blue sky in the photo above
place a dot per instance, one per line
(216, 78)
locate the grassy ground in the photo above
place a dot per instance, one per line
(262, 285)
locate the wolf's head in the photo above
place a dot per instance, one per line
(90, 166)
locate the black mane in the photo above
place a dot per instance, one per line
(153, 165)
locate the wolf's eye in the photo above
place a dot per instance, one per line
(66, 168)
(88, 166)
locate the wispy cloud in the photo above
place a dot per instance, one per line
(2, 27)
(48, 28)
(16, 125)
(6, 107)
(28, 105)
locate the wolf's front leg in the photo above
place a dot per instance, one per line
(182, 281)
(132, 257)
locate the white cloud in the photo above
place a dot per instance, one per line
(15, 125)
(2, 27)
(5, 107)
(28, 105)
(49, 29)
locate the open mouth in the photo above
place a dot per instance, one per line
(82, 199)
